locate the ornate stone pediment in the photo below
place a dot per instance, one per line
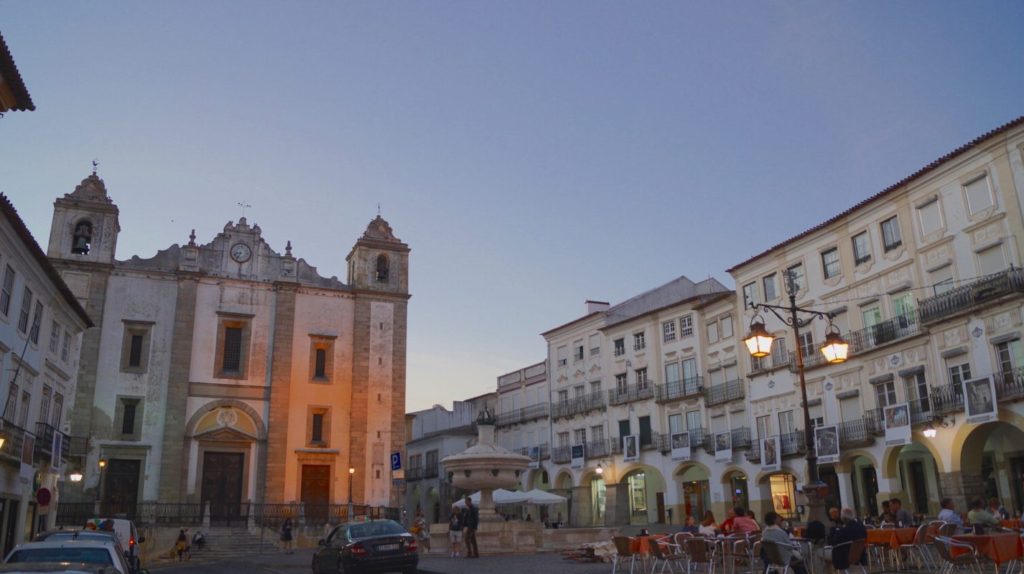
(225, 434)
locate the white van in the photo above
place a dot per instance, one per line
(126, 533)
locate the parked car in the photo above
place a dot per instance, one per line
(51, 568)
(371, 546)
(100, 535)
(93, 552)
(126, 533)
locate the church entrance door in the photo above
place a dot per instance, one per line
(120, 487)
(316, 492)
(222, 486)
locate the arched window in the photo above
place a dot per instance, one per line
(382, 268)
(81, 241)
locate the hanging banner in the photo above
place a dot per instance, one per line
(897, 424)
(578, 452)
(826, 444)
(770, 454)
(979, 400)
(723, 447)
(534, 457)
(681, 446)
(630, 447)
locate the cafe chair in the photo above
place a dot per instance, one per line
(917, 550)
(623, 551)
(668, 554)
(700, 557)
(950, 562)
(776, 563)
(855, 552)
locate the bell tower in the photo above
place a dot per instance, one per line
(85, 225)
(379, 261)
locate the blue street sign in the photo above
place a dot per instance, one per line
(396, 461)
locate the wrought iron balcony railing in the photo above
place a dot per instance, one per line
(679, 390)
(523, 415)
(631, 393)
(578, 405)
(723, 393)
(972, 295)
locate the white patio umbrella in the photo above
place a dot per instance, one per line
(543, 498)
(501, 496)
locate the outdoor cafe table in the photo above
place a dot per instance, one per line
(891, 537)
(999, 548)
(1012, 524)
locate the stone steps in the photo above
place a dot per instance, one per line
(224, 543)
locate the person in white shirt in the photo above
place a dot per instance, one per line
(947, 514)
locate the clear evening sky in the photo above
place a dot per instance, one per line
(532, 154)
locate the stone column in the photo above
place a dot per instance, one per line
(280, 388)
(174, 459)
(846, 489)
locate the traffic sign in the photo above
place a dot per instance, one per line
(396, 460)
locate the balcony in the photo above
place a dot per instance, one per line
(523, 415)
(921, 411)
(972, 296)
(698, 437)
(578, 405)
(15, 439)
(793, 443)
(857, 433)
(723, 393)
(631, 393)
(44, 443)
(413, 473)
(561, 454)
(1010, 385)
(430, 471)
(600, 448)
(947, 399)
(545, 451)
(741, 439)
(679, 390)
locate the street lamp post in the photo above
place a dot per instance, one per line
(351, 475)
(835, 349)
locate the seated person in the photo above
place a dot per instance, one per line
(743, 524)
(691, 526)
(949, 515)
(980, 517)
(773, 534)
(730, 517)
(851, 530)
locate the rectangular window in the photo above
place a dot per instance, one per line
(57, 412)
(930, 217)
(232, 349)
(563, 396)
(830, 263)
(26, 310)
(672, 374)
(595, 345)
(861, 248)
(764, 426)
(7, 291)
(431, 459)
(712, 329)
(689, 369)
(917, 390)
(770, 289)
(563, 358)
(1011, 357)
(563, 439)
(44, 405)
(675, 423)
(55, 337)
(320, 367)
(891, 237)
(941, 279)
(646, 436)
(668, 330)
(620, 383)
(686, 326)
(885, 393)
(991, 260)
(620, 347)
(317, 434)
(37, 322)
(597, 433)
(595, 387)
(786, 424)
(693, 420)
(639, 342)
(749, 295)
(579, 436)
(577, 351)
(11, 408)
(727, 326)
(641, 378)
(135, 352)
(579, 391)
(780, 355)
(796, 276)
(65, 347)
(128, 416)
(979, 195)
(26, 400)
(624, 429)
(958, 373)
(807, 343)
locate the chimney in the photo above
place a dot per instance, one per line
(596, 306)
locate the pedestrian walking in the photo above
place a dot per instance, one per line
(286, 536)
(455, 533)
(181, 546)
(421, 530)
(470, 522)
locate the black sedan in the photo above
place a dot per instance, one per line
(371, 546)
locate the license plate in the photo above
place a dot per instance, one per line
(384, 547)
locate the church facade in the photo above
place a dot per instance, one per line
(229, 372)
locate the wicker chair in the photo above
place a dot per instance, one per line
(623, 551)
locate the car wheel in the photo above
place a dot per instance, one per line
(316, 566)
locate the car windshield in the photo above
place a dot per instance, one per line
(87, 555)
(368, 529)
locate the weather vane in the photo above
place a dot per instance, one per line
(95, 164)
(378, 209)
(244, 206)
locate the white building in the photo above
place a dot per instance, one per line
(41, 324)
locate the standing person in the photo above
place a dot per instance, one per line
(455, 533)
(286, 536)
(422, 531)
(470, 522)
(181, 545)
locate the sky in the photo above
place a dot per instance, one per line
(533, 154)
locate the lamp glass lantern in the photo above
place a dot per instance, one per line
(75, 476)
(835, 348)
(759, 341)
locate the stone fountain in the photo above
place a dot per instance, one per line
(485, 466)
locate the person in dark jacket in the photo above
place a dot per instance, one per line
(470, 522)
(851, 530)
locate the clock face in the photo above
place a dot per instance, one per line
(240, 252)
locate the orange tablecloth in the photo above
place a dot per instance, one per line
(1015, 523)
(893, 537)
(642, 544)
(1000, 548)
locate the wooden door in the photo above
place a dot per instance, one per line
(120, 487)
(222, 485)
(316, 492)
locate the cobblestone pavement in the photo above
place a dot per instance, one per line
(279, 563)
